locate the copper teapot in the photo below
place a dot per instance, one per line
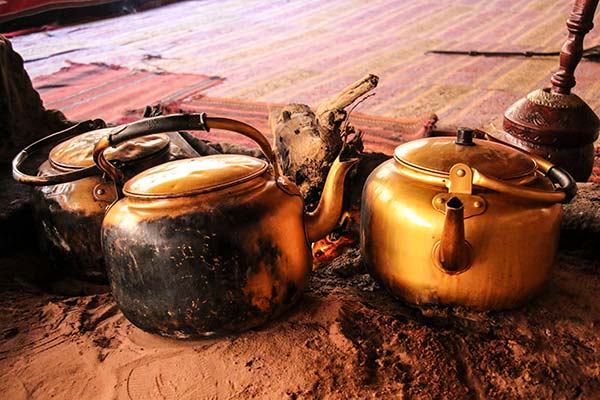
(210, 245)
(463, 221)
(72, 194)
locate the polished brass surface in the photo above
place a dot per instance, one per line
(78, 151)
(516, 189)
(461, 179)
(493, 134)
(326, 216)
(472, 205)
(195, 175)
(494, 256)
(439, 154)
(437, 258)
(455, 253)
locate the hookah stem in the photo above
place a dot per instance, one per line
(579, 24)
(475, 53)
(592, 53)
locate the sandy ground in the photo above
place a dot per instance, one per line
(346, 339)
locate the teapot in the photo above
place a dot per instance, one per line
(72, 194)
(462, 222)
(210, 245)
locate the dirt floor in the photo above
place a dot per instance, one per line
(346, 339)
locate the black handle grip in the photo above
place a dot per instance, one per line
(565, 182)
(159, 124)
(176, 122)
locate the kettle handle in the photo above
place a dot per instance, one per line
(567, 187)
(78, 129)
(565, 192)
(175, 122)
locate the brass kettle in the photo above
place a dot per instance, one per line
(210, 245)
(72, 195)
(462, 221)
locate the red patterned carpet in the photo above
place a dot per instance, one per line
(279, 52)
(88, 91)
(118, 95)
(12, 9)
(302, 51)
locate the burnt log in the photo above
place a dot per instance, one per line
(307, 142)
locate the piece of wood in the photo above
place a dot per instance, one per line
(330, 113)
(306, 143)
(304, 151)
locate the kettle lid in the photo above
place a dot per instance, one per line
(77, 152)
(195, 176)
(438, 154)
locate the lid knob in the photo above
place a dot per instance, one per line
(464, 137)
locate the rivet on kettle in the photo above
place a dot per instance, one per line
(100, 192)
(477, 204)
(460, 172)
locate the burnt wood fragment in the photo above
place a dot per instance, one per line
(306, 142)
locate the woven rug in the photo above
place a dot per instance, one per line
(12, 9)
(380, 134)
(104, 91)
(119, 95)
(302, 51)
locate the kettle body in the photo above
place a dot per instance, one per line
(437, 229)
(208, 263)
(72, 195)
(211, 245)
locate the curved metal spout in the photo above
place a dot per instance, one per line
(455, 253)
(324, 218)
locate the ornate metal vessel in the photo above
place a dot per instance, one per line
(553, 122)
(468, 222)
(210, 245)
(73, 194)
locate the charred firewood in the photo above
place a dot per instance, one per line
(307, 142)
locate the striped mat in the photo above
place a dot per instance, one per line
(281, 51)
(119, 95)
(381, 134)
(104, 91)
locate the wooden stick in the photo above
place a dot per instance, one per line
(331, 111)
(579, 24)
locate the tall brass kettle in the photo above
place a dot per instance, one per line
(210, 245)
(466, 221)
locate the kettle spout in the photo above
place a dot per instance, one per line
(455, 252)
(324, 218)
